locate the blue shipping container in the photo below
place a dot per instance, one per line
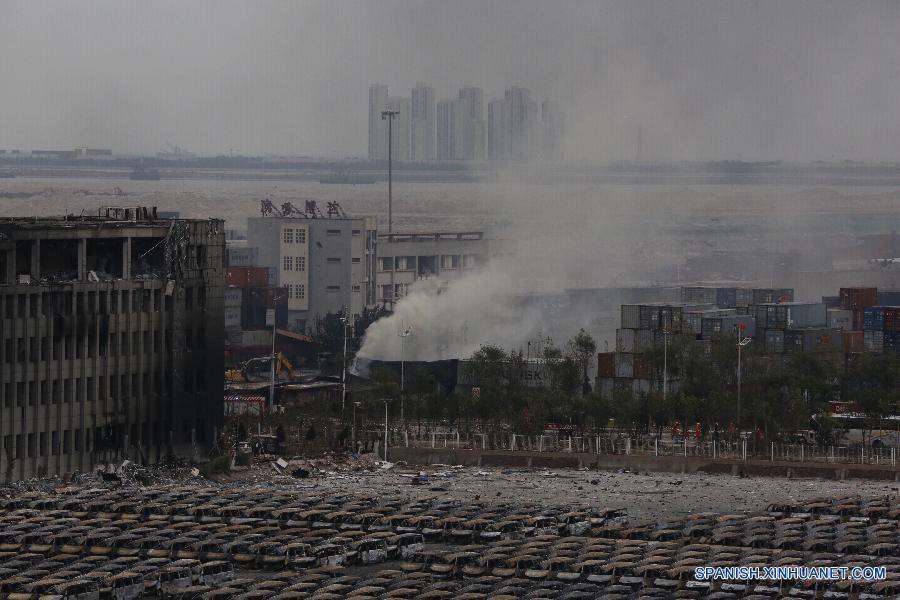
(892, 341)
(873, 318)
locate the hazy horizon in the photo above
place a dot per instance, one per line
(706, 80)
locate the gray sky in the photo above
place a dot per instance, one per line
(716, 79)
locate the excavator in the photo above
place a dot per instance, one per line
(260, 369)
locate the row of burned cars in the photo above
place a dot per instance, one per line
(188, 542)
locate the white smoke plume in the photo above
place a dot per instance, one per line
(455, 321)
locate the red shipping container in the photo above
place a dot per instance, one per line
(852, 342)
(857, 298)
(642, 367)
(242, 277)
(606, 364)
(858, 318)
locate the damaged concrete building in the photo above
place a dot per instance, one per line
(111, 341)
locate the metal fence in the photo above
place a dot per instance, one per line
(647, 446)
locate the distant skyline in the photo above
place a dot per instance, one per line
(701, 79)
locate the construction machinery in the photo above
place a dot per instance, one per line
(259, 369)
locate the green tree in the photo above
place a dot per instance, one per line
(583, 350)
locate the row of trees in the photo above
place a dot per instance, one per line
(498, 389)
(779, 393)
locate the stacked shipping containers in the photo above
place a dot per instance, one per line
(644, 328)
(856, 300)
(881, 329)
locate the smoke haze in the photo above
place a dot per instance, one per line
(705, 79)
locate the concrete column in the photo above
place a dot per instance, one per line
(10, 266)
(82, 259)
(126, 258)
(35, 260)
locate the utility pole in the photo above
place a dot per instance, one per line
(390, 115)
(741, 343)
(345, 320)
(385, 429)
(665, 364)
(353, 433)
(272, 380)
(403, 335)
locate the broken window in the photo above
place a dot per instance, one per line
(104, 257)
(427, 266)
(23, 257)
(59, 260)
(148, 256)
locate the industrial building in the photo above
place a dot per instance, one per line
(326, 261)
(110, 340)
(445, 255)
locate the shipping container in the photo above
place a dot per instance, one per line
(774, 341)
(652, 317)
(646, 341)
(789, 315)
(643, 368)
(606, 364)
(232, 316)
(771, 295)
(743, 297)
(631, 316)
(839, 318)
(728, 326)
(625, 340)
(873, 318)
(858, 318)
(232, 297)
(623, 384)
(892, 318)
(831, 301)
(641, 386)
(888, 298)
(243, 277)
(873, 341)
(813, 339)
(701, 295)
(605, 385)
(692, 320)
(726, 297)
(858, 297)
(624, 365)
(852, 342)
(892, 341)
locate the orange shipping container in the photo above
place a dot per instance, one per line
(243, 277)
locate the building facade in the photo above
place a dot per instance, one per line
(445, 255)
(326, 263)
(111, 344)
(399, 136)
(423, 123)
(378, 101)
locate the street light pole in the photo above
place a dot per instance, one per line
(665, 364)
(403, 335)
(390, 115)
(353, 433)
(272, 379)
(741, 344)
(385, 429)
(346, 322)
